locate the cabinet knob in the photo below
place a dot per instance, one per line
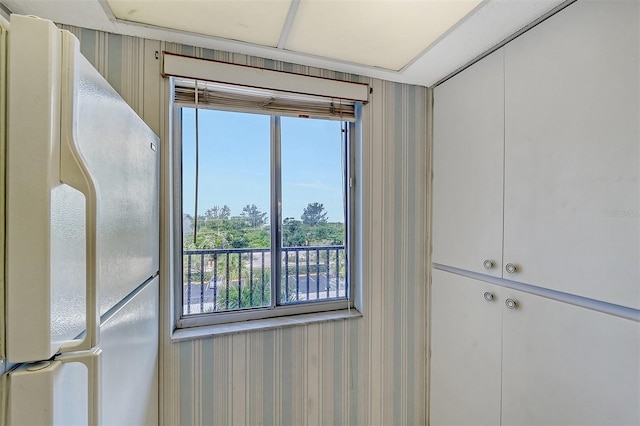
(510, 267)
(488, 296)
(511, 304)
(488, 264)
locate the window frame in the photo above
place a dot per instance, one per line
(275, 310)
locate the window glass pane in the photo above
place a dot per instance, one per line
(227, 266)
(313, 158)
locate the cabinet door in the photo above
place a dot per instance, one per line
(572, 150)
(465, 351)
(468, 146)
(567, 365)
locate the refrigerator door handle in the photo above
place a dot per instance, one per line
(74, 172)
(52, 392)
(93, 363)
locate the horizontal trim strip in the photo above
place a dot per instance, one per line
(203, 332)
(251, 314)
(203, 69)
(572, 299)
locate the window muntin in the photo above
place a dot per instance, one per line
(228, 279)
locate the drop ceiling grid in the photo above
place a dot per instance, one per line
(486, 26)
(252, 21)
(385, 34)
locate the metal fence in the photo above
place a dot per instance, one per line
(220, 280)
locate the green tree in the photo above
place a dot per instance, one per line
(249, 296)
(252, 216)
(258, 238)
(314, 214)
(223, 213)
(293, 233)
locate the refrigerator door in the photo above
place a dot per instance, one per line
(82, 195)
(63, 391)
(50, 261)
(129, 343)
(122, 154)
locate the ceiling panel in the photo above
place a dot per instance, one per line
(382, 33)
(487, 25)
(251, 21)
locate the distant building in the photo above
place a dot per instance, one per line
(187, 224)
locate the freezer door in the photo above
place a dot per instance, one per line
(64, 391)
(129, 343)
(121, 153)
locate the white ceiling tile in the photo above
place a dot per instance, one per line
(380, 33)
(486, 26)
(251, 21)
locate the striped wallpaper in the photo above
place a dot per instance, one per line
(366, 371)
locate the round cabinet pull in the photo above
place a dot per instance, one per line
(511, 304)
(510, 267)
(488, 296)
(488, 264)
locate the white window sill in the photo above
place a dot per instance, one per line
(203, 332)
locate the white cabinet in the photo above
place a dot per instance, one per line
(537, 157)
(465, 352)
(541, 363)
(572, 152)
(468, 151)
(537, 165)
(567, 365)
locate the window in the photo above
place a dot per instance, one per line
(263, 198)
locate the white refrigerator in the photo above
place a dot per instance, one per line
(82, 242)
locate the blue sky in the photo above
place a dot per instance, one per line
(234, 163)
